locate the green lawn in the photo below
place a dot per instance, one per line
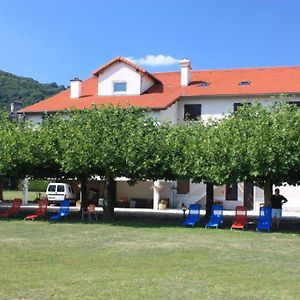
(140, 260)
(10, 195)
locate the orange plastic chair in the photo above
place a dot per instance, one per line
(41, 211)
(13, 210)
(240, 220)
(90, 210)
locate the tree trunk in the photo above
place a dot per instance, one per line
(209, 198)
(83, 191)
(267, 191)
(1, 189)
(109, 198)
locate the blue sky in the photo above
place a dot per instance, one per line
(56, 40)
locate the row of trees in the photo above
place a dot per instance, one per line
(258, 144)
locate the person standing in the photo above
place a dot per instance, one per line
(277, 201)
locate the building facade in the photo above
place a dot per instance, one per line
(170, 96)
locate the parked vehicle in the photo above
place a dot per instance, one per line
(57, 192)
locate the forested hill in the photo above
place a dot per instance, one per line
(14, 87)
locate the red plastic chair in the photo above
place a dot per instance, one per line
(240, 220)
(41, 211)
(13, 210)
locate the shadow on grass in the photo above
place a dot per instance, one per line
(289, 225)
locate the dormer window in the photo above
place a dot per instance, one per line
(243, 83)
(203, 84)
(120, 87)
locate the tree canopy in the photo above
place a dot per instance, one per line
(108, 142)
(257, 143)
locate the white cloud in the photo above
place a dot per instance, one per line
(155, 60)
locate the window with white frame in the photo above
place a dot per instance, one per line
(120, 87)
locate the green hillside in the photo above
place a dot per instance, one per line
(13, 87)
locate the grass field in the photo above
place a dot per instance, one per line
(10, 195)
(140, 260)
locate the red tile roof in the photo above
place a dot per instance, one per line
(122, 59)
(263, 81)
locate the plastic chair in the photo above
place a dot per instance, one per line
(216, 217)
(240, 221)
(13, 210)
(90, 210)
(193, 216)
(41, 211)
(264, 219)
(64, 210)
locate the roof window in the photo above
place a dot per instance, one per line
(204, 84)
(243, 83)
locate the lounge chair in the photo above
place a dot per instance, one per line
(216, 217)
(13, 210)
(193, 216)
(264, 219)
(41, 211)
(64, 210)
(240, 221)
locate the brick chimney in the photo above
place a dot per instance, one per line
(186, 72)
(75, 88)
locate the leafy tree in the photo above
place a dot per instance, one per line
(111, 142)
(16, 156)
(258, 144)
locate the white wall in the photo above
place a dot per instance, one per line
(143, 189)
(197, 194)
(220, 195)
(170, 114)
(146, 82)
(291, 193)
(35, 118)
(120, 72)
(213, 107)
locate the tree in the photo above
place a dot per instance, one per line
(259, 144)
(189, 146)
(111, 142)
(16, 155)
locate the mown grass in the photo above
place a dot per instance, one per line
(10, 195)
(129, 260)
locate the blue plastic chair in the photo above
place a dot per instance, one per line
(64, 210)
(193, 216)
(264, 219)
(216, 217)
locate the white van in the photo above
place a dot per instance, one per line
(57, 192)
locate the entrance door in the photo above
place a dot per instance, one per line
(248, 195)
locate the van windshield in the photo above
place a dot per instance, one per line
(51, 188)
(60, 188)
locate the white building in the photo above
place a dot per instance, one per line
(171, 95)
